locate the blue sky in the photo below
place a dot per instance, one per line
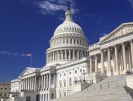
(28, 25)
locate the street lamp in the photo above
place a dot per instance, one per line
(84, 75)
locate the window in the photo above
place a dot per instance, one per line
(60, 94)
(4, 94)
(0, 94)
(98, 60)
(60, 75)
(52, 95)
(37, 97)
(80, 70)
(64, 74)
(5, 88)
(28, 98)
(0, 88)
(70, 82)
(111, 58)
(75, 71)
(64, 93)
(70, 72)
(64, 83)
(60, 83)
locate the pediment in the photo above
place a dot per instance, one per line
(122, 30)
(27, 71)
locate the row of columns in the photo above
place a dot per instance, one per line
(37, 83)
(65, 55)
(116, 59)
(69, 41)
(28, 83)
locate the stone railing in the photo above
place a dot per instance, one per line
(129, 72)
(82, 81)
(73, 62)
(93, 46)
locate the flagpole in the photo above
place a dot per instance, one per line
(31, 60)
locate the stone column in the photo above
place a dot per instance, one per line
(31, 83)
(55, 80)
(46, 80)
(90, 64)
(73, 54)
(96, 64)
(78, 54)
(116, 61)
(102, 62)
(109, 62)
(35, 83)
(44, 83)
(25, 83)
(65, 55)
(21, 85)
(69, 55)
(129, 59)
(53, 55)
(124, 57)
(131, 44)
(28, 82)
(57, 55)
(61, 54)
(49, 80)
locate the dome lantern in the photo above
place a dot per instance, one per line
(68, 13)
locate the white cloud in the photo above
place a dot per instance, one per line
(23, 55)
(104, 34)
(51, 6)
(5, 52)
(10, 53)
(15, 54)
(131, 2)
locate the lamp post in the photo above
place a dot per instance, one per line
(84, 75)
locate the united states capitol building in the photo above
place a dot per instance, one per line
(72, 65)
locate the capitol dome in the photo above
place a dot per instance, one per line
(68, 42)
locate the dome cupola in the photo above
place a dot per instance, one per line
(68, 26)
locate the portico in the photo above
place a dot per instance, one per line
(114, 56)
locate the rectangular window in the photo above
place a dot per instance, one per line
(0, 94)
(4, 94)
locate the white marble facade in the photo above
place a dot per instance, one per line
(70, 61)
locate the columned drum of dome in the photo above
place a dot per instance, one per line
(68, 42)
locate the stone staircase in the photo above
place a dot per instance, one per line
(110, 89)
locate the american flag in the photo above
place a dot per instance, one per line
(29, 54)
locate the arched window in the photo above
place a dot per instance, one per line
(70, 82)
